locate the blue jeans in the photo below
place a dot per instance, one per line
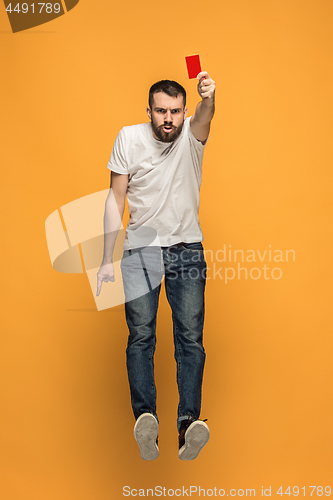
(184, 268)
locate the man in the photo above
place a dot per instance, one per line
(158, 165)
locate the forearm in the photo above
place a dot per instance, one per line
(205, 110)
(114, 210)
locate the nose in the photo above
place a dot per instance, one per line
(168, 117)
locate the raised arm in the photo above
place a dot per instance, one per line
(114, 210)
(200, 121)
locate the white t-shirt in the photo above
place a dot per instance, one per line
(164, 185)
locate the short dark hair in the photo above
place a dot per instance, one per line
(169, 87)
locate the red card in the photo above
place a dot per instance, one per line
(193, 66)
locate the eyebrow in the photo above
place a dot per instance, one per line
(163, 109)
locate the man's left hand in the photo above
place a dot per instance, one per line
(206, 86)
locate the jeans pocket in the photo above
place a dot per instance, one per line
(195, 247)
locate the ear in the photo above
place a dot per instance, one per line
(185, 112)
(149, 112)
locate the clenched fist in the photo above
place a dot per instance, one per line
(206, 85)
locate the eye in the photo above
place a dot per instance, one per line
(174, 111)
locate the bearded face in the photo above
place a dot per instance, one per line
(166, 132)
(167, 116)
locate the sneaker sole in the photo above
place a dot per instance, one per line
(145, 433)
(196, 436)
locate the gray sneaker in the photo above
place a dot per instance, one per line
(192, 438)
(145, 433)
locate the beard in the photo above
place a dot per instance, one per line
(166, 137)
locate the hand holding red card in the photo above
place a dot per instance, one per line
(206, 85)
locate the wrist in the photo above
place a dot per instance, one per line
(107, 261)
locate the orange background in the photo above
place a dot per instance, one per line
(67, 87)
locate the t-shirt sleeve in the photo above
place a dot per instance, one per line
(118, 162)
